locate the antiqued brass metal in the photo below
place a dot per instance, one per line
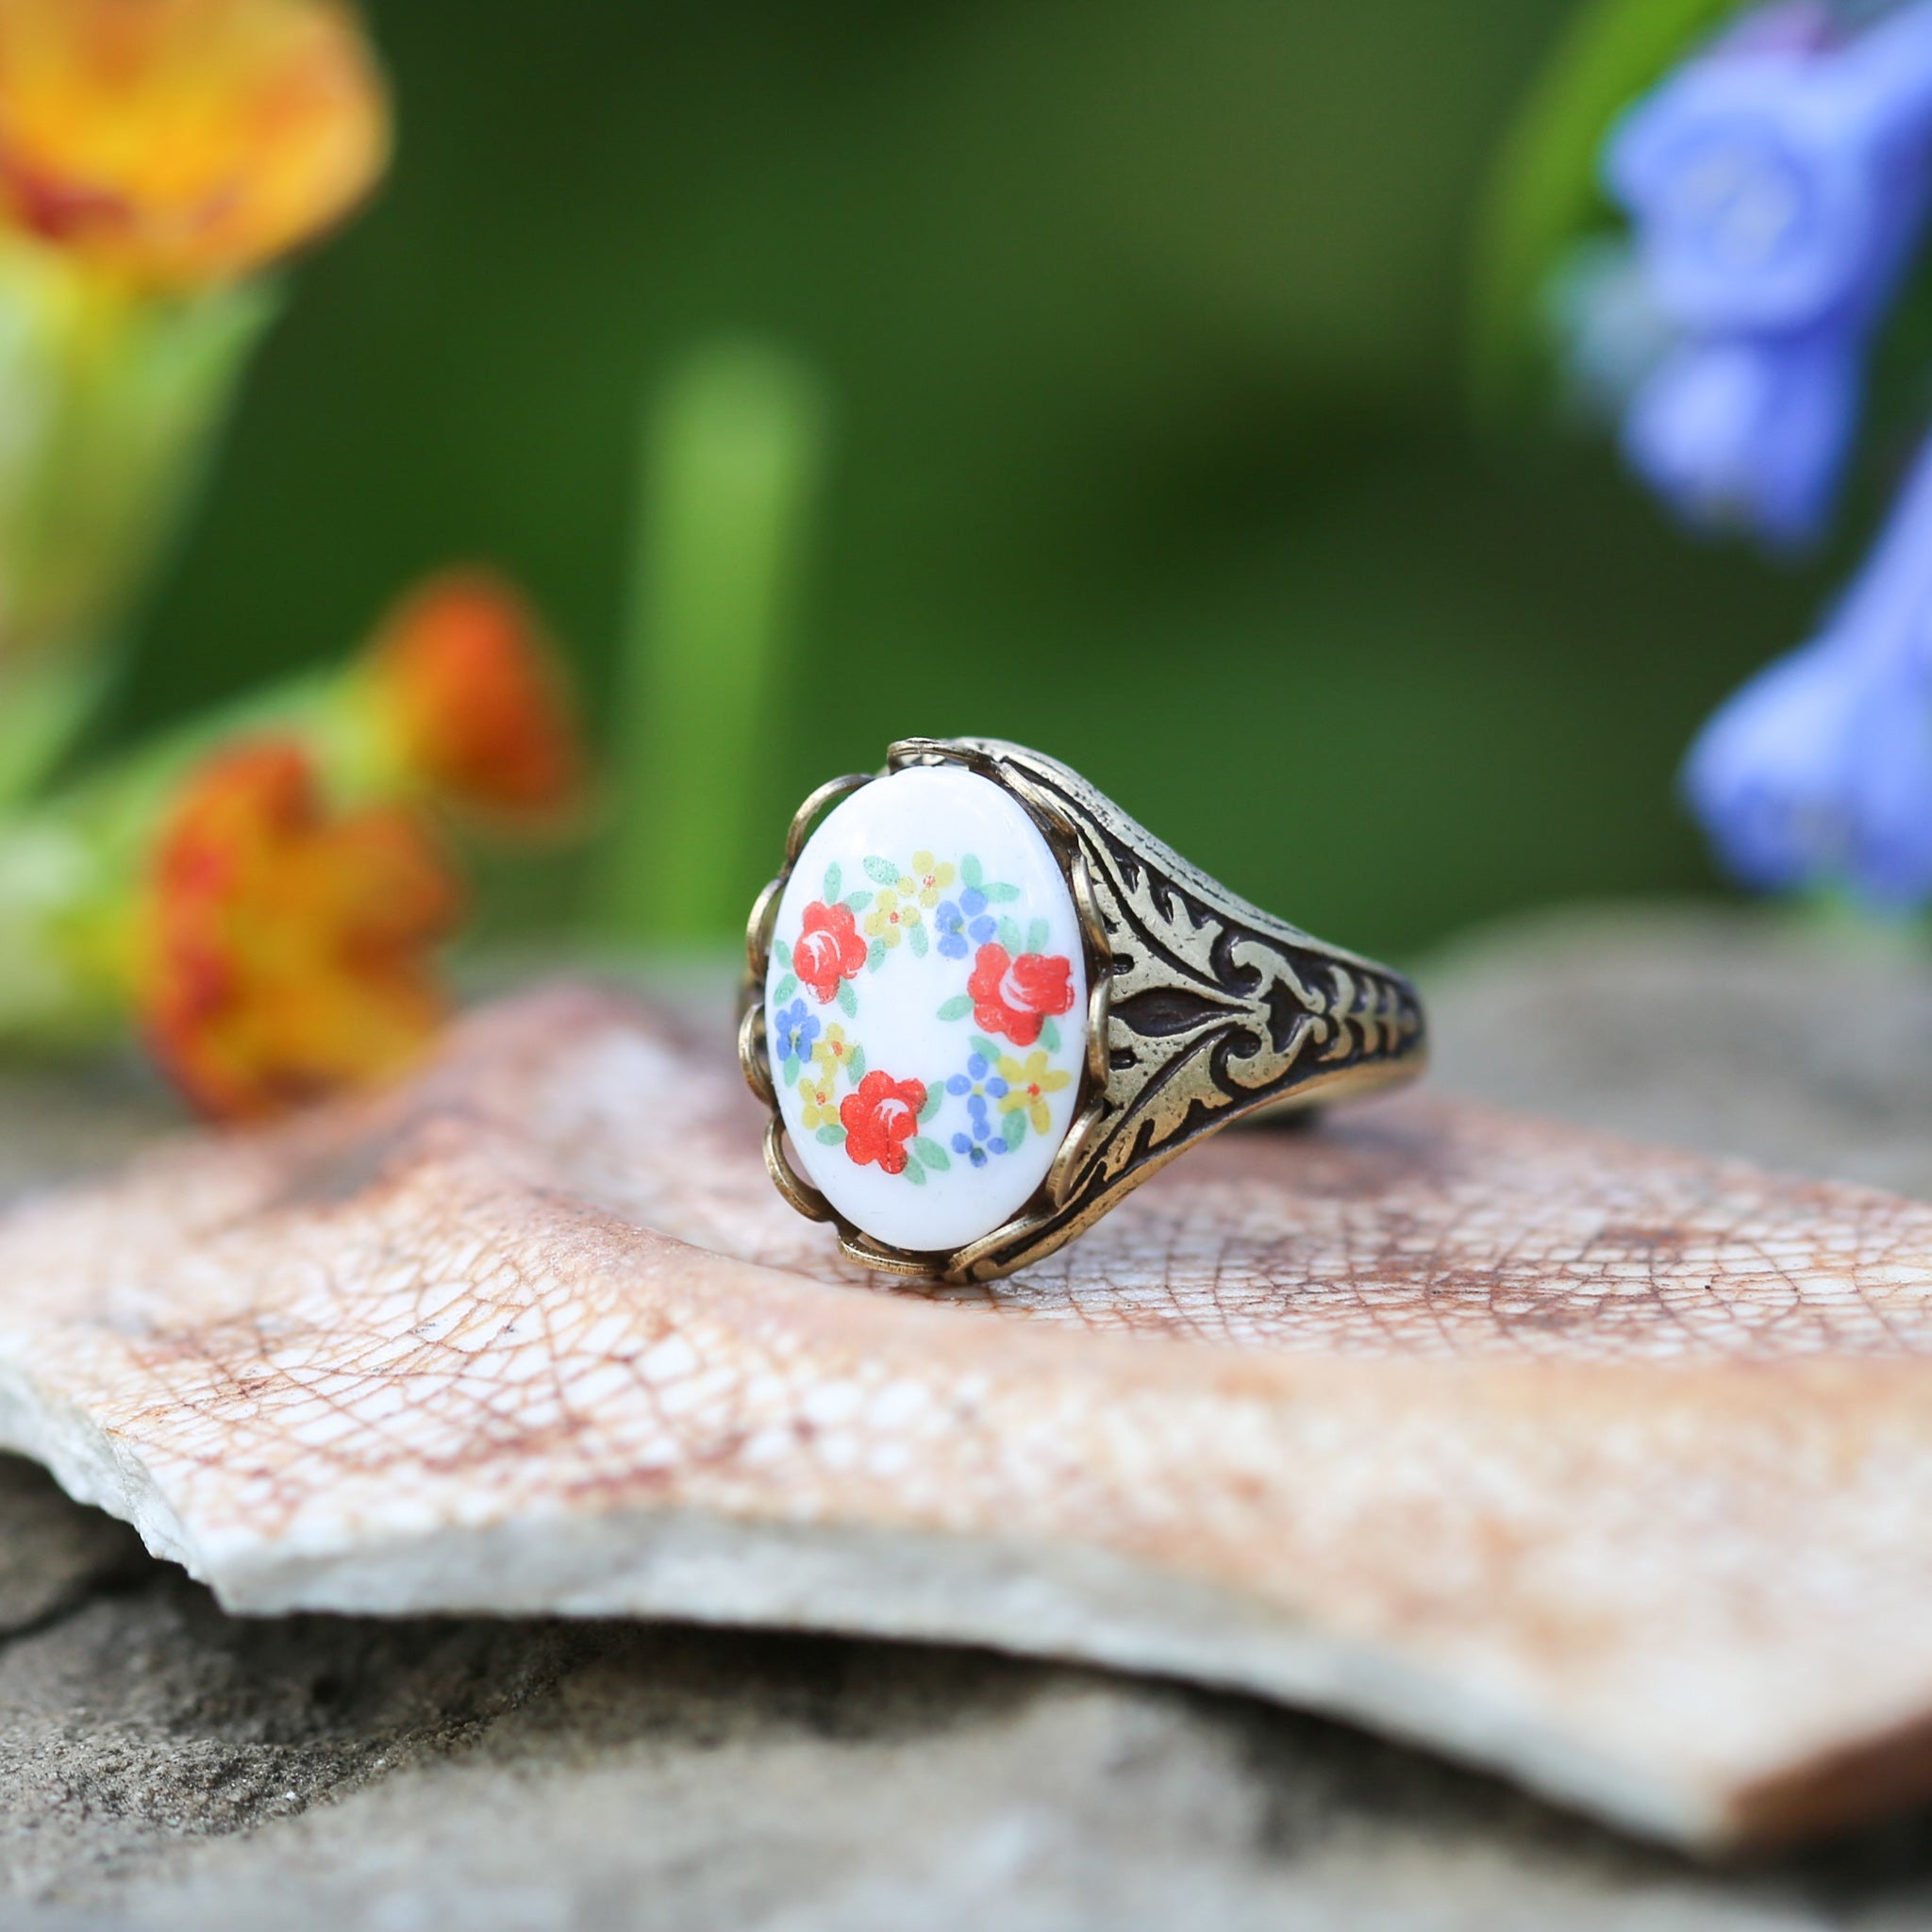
(1202, 1010)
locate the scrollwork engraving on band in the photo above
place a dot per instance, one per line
(1215, 1009)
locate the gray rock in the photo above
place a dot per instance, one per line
(1800, 1045)
(164, 1766)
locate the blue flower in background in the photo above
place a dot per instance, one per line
(964, 924)
(797, 1030)
(1777, 185)
(1818, 772)
(1747, 429)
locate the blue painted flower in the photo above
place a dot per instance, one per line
(964, 924)
(1777, 185)
(981, 1087)
(795, 1030)
(1818, 772)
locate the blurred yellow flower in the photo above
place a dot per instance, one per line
(1028, 1083)
(284, 951)
(177, 143)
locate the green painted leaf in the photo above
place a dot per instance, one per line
(785, 989)
(935, 1099)
(856, 903)
(1000, 896)
(969, 869)
(915, 1174)
(881, 872)
(834, 881)
(934, 1156)
(916, 941)
(848, 1000)
(1010, 936)
(875, 955)
(1544, 192)
(958, 1007)
(831, 1137)
(984, 1048)
(1049, 1036)
(782, 953)
(1036, 936)
(1016, 1128)
(788, 1073)
(855, 1065)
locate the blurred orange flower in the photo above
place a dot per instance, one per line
(183, 143)
(285, 951)
(470, 694)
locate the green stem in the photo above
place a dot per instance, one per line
(43, 708)
(59, 985)
(1545, 194)
(732, 453)
(72, 867)
(116, 403)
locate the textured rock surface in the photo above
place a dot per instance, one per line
(1597, 1465)
(161, 1762)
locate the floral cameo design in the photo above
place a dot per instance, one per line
(830, 949)
(1014, 992)
(1016, 995)
(880, 1117)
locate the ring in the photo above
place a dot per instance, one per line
(983, 1005)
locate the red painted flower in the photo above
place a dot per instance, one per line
(880, 1118)
(831, 948)
(1012, 996)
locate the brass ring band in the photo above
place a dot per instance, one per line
(1201, 1010)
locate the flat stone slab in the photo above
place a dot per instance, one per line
(1602, 1466)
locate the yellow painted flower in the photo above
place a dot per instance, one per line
(1028, 1083)
(893, 914)
(929, 878)
(179, 143)
(819, 1091)
(832, 1050)
(285, 950)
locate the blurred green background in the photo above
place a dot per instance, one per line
(1142, 328)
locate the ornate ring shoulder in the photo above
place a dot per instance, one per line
(1201, 1010)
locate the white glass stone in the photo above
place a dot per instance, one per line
(926, 1007)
